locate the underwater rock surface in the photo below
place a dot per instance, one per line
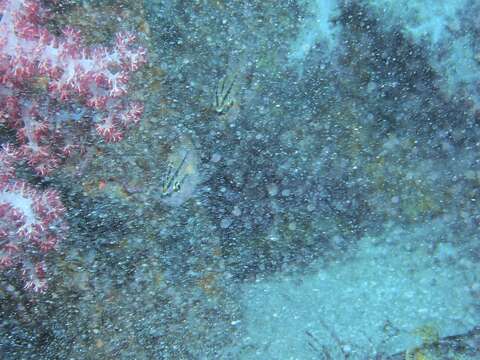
(303, 184)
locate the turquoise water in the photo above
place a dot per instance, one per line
(303, 184)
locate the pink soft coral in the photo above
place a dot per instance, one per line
(31, 223)
(82, 84)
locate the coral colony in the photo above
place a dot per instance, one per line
(53, 91)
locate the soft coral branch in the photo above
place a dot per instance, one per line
(31, 224)
(83, 84)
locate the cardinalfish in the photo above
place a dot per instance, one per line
(171, 182)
